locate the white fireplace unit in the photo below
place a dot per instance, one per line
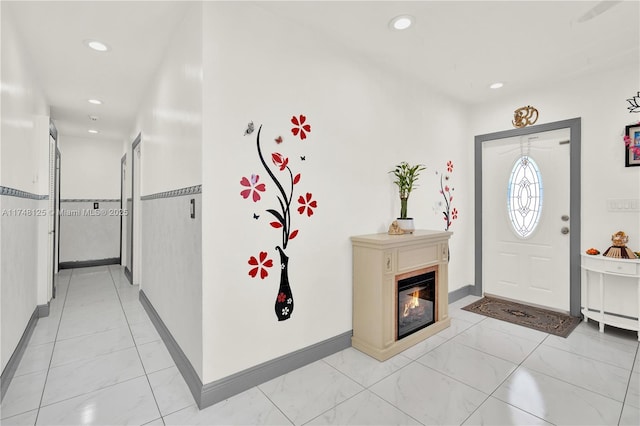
(400, 290)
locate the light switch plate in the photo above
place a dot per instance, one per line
(623, 205)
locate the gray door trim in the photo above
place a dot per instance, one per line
(122, 201)
(56, 221)
(134, 145)
(574, 126)
(53, 133)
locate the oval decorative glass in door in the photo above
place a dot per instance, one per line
(524, 196)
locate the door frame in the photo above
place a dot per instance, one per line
(574, 126)
(123, 161)
(54, 193)
(57, 209)
(135, 208)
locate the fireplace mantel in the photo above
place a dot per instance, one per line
(378, 260)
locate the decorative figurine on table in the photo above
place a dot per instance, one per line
(619, 249)
(395, 229)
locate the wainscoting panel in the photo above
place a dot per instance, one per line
(171, 265)
(88, 234)
(21, 213)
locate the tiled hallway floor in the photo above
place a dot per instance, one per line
(97, 359)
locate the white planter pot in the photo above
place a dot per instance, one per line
(406, 225)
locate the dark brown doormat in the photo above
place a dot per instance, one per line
(527, 316)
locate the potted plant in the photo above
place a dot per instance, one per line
(406, 177)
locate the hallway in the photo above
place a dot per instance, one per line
(97, 359)
(163, 136)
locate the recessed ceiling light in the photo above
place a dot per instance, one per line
(97, 45)
(93, 131)
(401, 22)
(496, 85)
(95, 101)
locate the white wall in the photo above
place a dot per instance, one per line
(90, 168)
(20, 147)
(88, 234)
(600, 100)
(89, 172)
(364, 121)
(170, 122)
(171, 115)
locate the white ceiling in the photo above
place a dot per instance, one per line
(70, 73)
(455, 47)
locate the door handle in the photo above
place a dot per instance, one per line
(564, 230)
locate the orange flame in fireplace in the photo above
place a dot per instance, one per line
(414, 303)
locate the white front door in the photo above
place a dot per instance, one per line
(525, 218)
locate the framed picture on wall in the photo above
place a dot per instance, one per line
(632, 147)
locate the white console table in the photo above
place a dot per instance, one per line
(607, 267)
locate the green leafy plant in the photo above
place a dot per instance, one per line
(406, 177)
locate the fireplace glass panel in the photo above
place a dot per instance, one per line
(416, 303)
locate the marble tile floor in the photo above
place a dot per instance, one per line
(98, 360)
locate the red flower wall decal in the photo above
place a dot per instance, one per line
(260, 265)
(285, 184)
(449, 215)
(254, 188)
(307, 204)
(300, 128)
(279, 160)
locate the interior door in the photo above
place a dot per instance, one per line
(137, 224)
(51, 225)
(123, 206)
(56, 221)
(128, 252)
(525, 218)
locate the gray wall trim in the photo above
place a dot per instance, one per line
(239, 382)
(12, 192)
(574, 126)
(182, 362)
(43, 310)
(197, 189)
(14, 361)
(461, 292)
(90, 200)
(222, 389)
(89, 263)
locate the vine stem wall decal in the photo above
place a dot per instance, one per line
(450, 214)
(285, 196)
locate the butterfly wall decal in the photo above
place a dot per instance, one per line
(278, 139)
(250, 128)
(256, 216)
(303, 158)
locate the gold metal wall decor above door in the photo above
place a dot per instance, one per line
(525, 116)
